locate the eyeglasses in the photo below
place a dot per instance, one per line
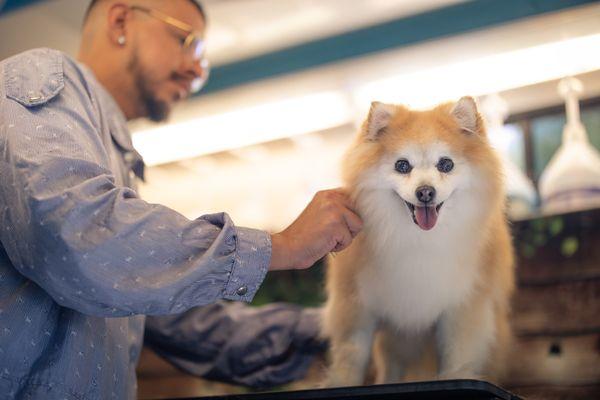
(193, 44)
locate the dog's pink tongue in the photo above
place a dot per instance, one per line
(426, 217)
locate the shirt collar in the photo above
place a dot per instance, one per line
(119, 131)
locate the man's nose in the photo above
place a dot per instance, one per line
(425, 194)
(197, 69)
(197, 72)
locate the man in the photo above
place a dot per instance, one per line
(83, 259)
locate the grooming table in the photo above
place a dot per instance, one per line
(463, 389)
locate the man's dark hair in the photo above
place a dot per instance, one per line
(194, 2)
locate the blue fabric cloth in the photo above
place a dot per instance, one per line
(83, 260)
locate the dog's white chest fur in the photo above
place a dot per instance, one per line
(413, 275)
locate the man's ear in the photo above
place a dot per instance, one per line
(378, 119)
(466, 115)
(117, 18)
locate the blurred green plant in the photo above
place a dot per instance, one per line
(303, 287)
(569, 246)
(547, 231)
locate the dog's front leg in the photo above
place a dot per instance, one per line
(350, 354)
(465, 336)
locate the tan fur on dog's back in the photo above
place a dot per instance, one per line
(472, 298)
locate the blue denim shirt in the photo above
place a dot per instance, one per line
(82, 258)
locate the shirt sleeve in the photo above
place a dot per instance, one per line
(93, 245)
(259, 347)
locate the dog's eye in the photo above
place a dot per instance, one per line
(445, 165)
(403, 166)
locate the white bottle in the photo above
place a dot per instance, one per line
(571, 180)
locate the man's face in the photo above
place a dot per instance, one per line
(162, 70)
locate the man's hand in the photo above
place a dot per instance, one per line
(327, 224)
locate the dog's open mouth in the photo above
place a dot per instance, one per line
(424, 217)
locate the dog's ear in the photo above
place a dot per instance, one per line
(467, 116)
(378, 119)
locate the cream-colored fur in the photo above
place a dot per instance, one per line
(398, 286)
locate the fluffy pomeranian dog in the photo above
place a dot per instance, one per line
(433, 266)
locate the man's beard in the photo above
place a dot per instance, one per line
(156, 110)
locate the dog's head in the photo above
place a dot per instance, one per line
(433, 160)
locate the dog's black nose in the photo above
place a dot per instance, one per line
(425, 194)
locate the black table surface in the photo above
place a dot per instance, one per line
(462, 389)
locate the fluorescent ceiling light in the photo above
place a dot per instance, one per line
(243, 127)
(328, 109)
(485, 75)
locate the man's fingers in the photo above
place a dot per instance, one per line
(328, 224)
(344, 239)
(353, 222)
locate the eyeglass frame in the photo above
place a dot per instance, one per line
(192, 35)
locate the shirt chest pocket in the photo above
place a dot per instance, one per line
(34, 78)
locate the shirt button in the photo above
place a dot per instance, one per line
(34, 96)
(242, 290)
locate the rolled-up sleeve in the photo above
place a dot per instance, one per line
(93, 245)
(254, 346)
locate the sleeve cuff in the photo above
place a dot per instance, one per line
(250, 265)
